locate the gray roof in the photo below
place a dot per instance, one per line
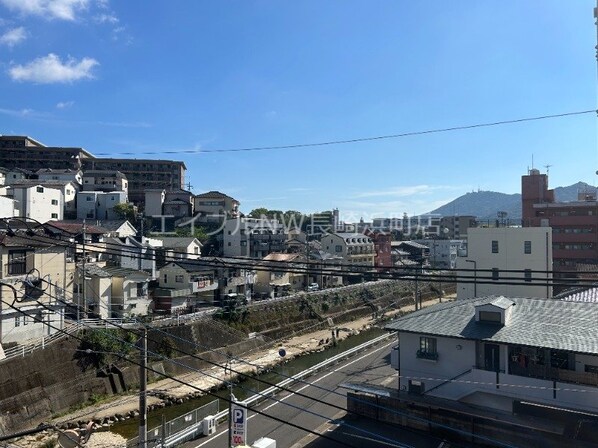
(114, 225)
(500, 302)
(582, 295)
(548, 323)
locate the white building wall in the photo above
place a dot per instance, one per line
(451, 362)
(7, 207)
(39, 202)
(510, 256)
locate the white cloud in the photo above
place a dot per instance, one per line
(106, 18)
(52, 9)
(64, 104)
(22, 113)
(50, 69)
(13, 37)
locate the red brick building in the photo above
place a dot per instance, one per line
(574, 224)
(382, 248)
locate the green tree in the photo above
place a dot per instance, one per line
(258, 212)
(101, 347)
(126, 211)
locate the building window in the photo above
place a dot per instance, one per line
(427, 348)
(54, 202)
(178, 278)
(339, 248)
(17, 262)
(490, 316)
(165, 278)
(17, 321)
(527, 247)
(494, 273)
(89, 198)
(54, 215)
(243, 243)
(527, 273)
(40, 189)
(494, 246)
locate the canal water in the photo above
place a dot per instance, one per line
(246, 387)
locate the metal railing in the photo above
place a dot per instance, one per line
(158, 436)
(22, 350)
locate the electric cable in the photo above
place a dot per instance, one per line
(358, 140)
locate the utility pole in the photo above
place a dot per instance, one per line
(84, 276)
(142, 389)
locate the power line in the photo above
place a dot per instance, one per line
(357, 140)
(290, 390)
(228, 400)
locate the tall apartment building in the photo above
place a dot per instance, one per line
(143, 174)
(27, 153)
(574, 224)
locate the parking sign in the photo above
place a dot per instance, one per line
(238, 435)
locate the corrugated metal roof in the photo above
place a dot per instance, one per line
(548, 323)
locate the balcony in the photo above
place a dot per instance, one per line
(203, 284)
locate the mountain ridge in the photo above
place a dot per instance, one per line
(486, 204)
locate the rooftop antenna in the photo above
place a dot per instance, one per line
(533, 156)
(547, 168)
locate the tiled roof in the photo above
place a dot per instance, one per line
(548, 323)
(194, 266)
(586, 295)
(114, 225)
(75, 227)
(214, 195)
(117, 271)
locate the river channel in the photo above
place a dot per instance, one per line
(247, 387)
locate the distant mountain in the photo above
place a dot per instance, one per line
(485, 204)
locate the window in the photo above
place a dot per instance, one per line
(17, 262)
(54, 215)
(494, 246)
(527, 247)
(494, 273)
(490, 316)
(54, 202)
(339, 248)
(89, 198)
(178, 278)
(40, 189)
(527, 274)
(17, 321)
(165, 278)
(427, 348)
(243, 243)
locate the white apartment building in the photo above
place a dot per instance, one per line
(8, 207)
(493, 252)
(99, 205)
(38, 202)
(67, 175)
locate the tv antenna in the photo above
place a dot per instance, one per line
(547, 168)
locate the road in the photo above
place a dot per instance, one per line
(372, 367)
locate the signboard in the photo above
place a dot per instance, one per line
(238, 435)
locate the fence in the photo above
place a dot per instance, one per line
(156, 437)
(25, 349)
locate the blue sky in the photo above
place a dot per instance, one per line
(152, 76)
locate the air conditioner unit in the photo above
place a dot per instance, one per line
(416, 387)
(208, 425)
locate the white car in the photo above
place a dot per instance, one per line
(313, 287)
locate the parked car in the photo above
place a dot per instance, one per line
(313, 287)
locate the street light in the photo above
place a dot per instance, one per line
(475, 277)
